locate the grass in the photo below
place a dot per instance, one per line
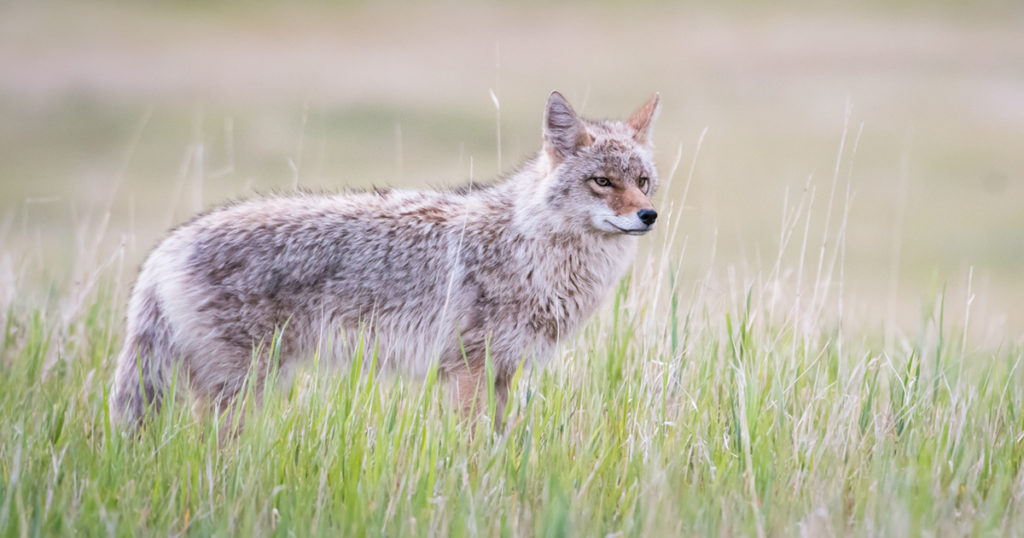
(671, 414)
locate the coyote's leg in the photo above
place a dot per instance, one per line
(225, 387)
(228, 405)
(500, 400)
(470, 386)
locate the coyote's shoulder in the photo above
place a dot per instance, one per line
(448, 277)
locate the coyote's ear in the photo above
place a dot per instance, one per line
(643, 118)
(564, 133)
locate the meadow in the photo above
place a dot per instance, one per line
(823, 337)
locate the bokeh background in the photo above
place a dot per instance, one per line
(118, 120)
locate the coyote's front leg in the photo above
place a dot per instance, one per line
(470, 385)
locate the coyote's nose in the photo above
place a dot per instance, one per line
(647, 216)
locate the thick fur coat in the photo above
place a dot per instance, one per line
(419, 277)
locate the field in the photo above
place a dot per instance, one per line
(823, 337)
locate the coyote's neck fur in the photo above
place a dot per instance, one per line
(449, 278)
(572, 267)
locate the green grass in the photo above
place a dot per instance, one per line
(658, 420)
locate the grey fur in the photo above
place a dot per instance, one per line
(430, 277)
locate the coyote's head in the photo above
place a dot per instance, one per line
(601, 175)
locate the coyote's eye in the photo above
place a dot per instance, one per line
(602, 181)
(642, 183)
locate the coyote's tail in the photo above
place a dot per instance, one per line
(144, 365)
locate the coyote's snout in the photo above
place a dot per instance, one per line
(445, 278)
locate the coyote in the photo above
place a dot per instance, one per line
(451, 278)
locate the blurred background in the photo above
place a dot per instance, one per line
(119, 120)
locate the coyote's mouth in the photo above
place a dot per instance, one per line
(628, 231)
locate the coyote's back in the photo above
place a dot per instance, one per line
(418, 277)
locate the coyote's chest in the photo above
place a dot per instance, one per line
(572, 284)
